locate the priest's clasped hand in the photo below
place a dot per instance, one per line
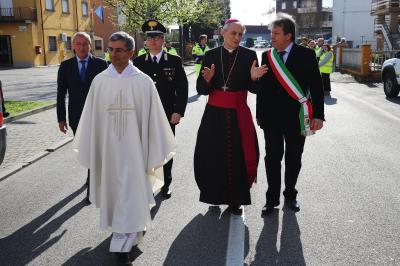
(175, 118)
(257, 72)
(208, 73)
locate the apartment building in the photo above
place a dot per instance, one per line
(313, 20)
(38, 32)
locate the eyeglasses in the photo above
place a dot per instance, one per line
(116, 50)
(154, 38)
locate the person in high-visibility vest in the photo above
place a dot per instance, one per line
(318, 51)
(169, 49)
(326, 67)
(142, 51)
(312, 46)
(199, 51)
(107, 57)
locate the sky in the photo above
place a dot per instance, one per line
(255, 12)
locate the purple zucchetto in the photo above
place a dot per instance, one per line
(231, 20)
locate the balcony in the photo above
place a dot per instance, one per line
(18, 14)
(383, 7)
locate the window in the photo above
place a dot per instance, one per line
(98, 45)
(68, 45)
(50, 5)
(52, 43)
(84, 9)
(283, 5)
(294, 4)
(65, 6)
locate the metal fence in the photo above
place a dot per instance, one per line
(351, 58)
(378, 57)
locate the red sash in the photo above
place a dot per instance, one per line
(238, 101)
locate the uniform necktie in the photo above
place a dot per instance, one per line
(281, 54)
(82, 72)
(155, 59)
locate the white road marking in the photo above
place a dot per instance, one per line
(383, 112)
(235, 249)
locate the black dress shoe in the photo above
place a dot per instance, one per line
(6, 114)
(123, 258)
(292, 204)
(235, 210)
(166, 193)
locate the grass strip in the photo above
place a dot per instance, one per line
(17, 107)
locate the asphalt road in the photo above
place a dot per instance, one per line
(349, 192)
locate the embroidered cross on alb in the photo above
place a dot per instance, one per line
(119, 110)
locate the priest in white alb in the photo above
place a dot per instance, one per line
(123, 137)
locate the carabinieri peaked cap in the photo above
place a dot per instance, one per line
(153, 27)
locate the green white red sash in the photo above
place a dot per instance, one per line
(293, 88)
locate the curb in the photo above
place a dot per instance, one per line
(30, 112)
(35, 158)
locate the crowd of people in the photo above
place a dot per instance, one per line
(325, 54)
(124, 114)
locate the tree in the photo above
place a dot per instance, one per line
(218, 11)
(181, 12)
(249, 42)
(136, 12)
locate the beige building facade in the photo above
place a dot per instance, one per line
(39, 32)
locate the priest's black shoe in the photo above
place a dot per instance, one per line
(292, 204)
(236, 210)
(267, 209)
(123, 258)
(166, 193)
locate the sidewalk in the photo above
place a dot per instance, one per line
(30, 138)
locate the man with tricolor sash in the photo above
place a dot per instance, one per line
(290, 106)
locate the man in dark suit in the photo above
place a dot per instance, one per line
(168, 75)
(278, 112)
(74, 78)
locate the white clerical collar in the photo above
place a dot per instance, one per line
(157, 55)
(128, 71)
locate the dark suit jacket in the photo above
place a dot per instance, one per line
(68, 81)
(170, 80)
(274, 105)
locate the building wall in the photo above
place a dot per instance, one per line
(104, 30)
(55, 23)
(25, 36)
(352, 20)
(21, 42)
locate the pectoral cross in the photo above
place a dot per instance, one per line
(225, 88)
(119, 110)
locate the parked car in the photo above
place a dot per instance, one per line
(262, 44)
(391, 76)
(3, 131)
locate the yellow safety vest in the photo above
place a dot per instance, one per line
(142, 51)
(328, 66)
(171, 50)
(198, 51)
(107, 56)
